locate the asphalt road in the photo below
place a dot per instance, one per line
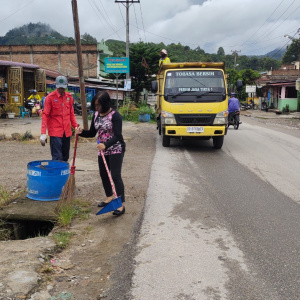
(222, 224)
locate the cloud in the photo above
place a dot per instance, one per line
(252, 26)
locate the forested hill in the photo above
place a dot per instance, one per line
(39, 33)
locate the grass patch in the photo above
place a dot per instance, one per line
(66, 212)
(4, 196)
(6, 231)
(62, 239)
(87, 230)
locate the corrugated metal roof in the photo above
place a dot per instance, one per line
(18, 64)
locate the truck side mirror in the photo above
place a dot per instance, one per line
(239, 85)
(154, 87)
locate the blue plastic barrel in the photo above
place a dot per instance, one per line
(46, 179)
(144, 118)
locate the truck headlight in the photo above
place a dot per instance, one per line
(221, 118)
(167, 118)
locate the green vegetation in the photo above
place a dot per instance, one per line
(5, 196)
(292, 52)
(130, 111)
(6, 231)
(62, 239)
(40, 34)
(66, 212)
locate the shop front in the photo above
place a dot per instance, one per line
(16, 79)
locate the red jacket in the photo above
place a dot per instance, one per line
(58, 115)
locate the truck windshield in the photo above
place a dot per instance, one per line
(195, 86)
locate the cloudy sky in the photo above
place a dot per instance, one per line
(253, 27)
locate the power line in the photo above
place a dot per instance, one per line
(264, 34)
(137, 23)
(121, 13)
(103, 16)
(143, 21)
(263, 23)
(106, 14)
(17, 11)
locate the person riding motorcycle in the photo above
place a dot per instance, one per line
(32, 102)
(233, 105)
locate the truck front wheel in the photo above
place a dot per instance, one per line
(218, 141)
(165, 139)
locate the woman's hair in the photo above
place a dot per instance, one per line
(103, 99)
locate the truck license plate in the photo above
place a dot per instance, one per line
(193, 129)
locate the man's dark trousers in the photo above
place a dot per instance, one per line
(60, 147)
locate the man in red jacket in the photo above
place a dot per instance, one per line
(58, 116)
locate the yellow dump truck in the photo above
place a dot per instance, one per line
(192, 101)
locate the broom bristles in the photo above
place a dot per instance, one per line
(68, 190)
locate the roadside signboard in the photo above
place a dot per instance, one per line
(250, 88)
(116, 64)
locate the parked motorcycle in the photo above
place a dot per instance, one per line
(78, 108)
(250, 105)
(234, 119)
(30, 104)
(264, 106)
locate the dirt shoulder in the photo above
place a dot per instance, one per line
(86, 268)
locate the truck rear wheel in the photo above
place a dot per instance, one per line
(218, 141)
(165, 139)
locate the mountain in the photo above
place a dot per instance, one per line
(276, 54)
(39, 34)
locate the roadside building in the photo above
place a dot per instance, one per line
(16, 79)
(279, 87)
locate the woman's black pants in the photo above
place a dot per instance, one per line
(114, 163)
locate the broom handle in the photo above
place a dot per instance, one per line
(75, 148)
(74, 156)
(109, 175)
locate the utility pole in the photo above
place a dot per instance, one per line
(235, 52)
(80, 66)
(126, 3)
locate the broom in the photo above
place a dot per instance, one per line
(69, 188)
(116, 202)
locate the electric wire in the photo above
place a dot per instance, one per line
(265, 33)
(110, 25)
(285, 19)
(103, 17)
(121, 13)
(263, 23)
(107, 15)
(143, 22)
(137, 23)
(115, 32)
(17, 11)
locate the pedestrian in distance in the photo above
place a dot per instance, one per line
(58, 116)
(164, 57)
(107, 125)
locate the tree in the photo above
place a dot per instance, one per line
(141, 72)
(88, 39)
(292, 52)
(221, 52)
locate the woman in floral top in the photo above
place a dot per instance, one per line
(107, 124)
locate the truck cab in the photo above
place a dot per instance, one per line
(192, 102)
